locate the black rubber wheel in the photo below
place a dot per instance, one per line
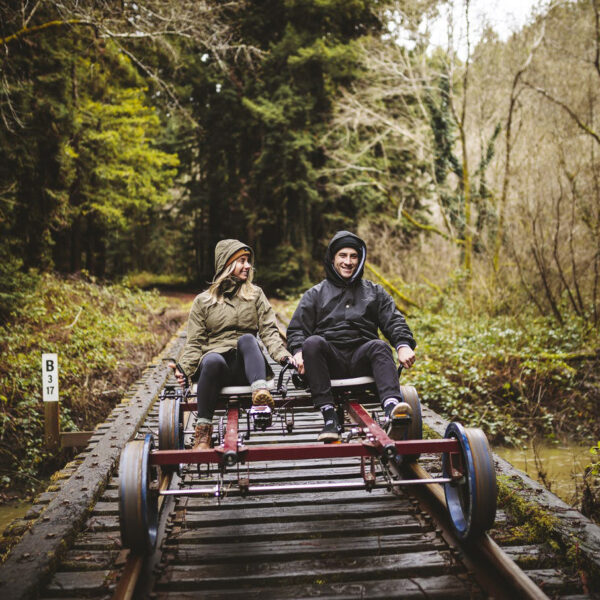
(170, 429)
(415, 429)
(138, 499)
(471, 500)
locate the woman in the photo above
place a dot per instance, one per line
(221, 347)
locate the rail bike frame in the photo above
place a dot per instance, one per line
(371, 440)
(468, 474)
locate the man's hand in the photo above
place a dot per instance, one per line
(299, 362)
(178, 374)
(406, 356)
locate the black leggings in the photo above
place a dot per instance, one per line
(236, 367)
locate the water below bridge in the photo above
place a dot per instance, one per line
(559, 468)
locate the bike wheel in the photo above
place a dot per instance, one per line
(471, 500)
(415, 429)
(138, 498)
(170, 429)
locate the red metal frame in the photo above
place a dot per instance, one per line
(380, 438)
(374, 442)
(230, 442)
(300, 451)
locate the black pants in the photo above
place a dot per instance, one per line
(236, 367)
(323, 362)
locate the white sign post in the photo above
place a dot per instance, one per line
(50, 398)
(50, 377)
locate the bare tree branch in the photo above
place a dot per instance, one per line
(36, 29)
(205, 23)
(555, 252)
(427, 227)
(566, 108)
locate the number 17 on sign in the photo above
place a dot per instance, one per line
(50, 377)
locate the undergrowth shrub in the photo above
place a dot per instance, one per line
(590, 505)
(15, 285)
(513, 381)
(104, 337)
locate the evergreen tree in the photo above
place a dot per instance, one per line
(253, 170)
(78, 156)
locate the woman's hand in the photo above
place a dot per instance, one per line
(178, 374)
(298, 362)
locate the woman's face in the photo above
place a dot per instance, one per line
(242, 267)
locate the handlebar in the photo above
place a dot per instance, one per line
(280, 388)
(186, 381)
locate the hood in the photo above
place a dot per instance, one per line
(331, 273)
(226, 248)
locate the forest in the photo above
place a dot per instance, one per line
(135, 135)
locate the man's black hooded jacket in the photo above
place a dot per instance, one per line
(347, 312)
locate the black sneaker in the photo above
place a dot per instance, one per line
(332, 431)
(397, 416)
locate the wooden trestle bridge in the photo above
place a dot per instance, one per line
(319, 524)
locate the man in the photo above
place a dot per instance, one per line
(334, 334)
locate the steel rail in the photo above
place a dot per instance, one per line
(490, 564)
(134, 564)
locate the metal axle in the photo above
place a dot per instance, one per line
(267, 489)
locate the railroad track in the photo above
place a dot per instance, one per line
(293, 543)
(320, 534)
(315, 532)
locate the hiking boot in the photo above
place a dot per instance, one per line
(332, 431)
(202, 436)
(262, 397)
(397, 417)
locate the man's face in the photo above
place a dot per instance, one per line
(345, 262)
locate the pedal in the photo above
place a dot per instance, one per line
(349, 434)
(397, 427)
(401, 420)
(262, 417)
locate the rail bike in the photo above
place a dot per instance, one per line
(468, 475)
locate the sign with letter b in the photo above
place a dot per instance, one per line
(50, 377)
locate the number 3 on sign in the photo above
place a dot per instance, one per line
(50, 377)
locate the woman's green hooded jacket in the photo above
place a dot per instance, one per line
(216, 327)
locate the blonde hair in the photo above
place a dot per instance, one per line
(247, 290)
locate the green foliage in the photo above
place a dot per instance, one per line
(257, 150)
(15, 286)
(78, 152)
(145, 280)
(594, 466)
(103, 337)
(120, 176)
(529, 522)
(513, 382)
(590, 502)
(284, 272)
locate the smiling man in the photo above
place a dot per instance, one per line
(334, 333)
